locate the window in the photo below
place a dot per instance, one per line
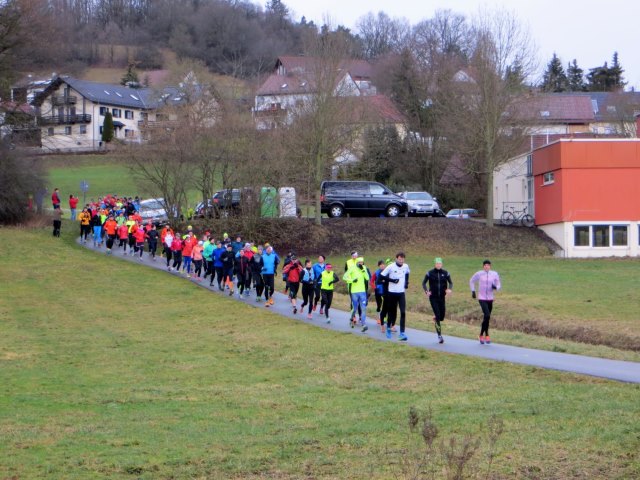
(548, 178)
(50, 131)
(129, 133)
(101, 128)
(83, 129)
(529, 165)
(376, 189)
(600, 235)
(619, 235)
(128, 114)
(103, 110)
(581, 236)
(116, 112)
(67, 130)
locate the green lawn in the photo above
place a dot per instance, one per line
(113, 370)
(558, 299)
(105, 174)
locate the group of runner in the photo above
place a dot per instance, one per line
(239, 267)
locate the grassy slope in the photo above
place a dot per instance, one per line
(105, 174)
(109, 369)
(590, 301)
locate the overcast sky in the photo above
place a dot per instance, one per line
(587, 30)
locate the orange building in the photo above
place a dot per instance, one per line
(587, 195)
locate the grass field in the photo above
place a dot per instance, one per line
(113, 370)
(543, 296)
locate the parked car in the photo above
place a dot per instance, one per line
(338, 198)
(420, 203)
(153, 209)
(224, 203)
(462, 213)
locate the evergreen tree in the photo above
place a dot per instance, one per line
(554, 79)
(107, 128)
(131, 76)
(575, 77)
(616, 80)
(597, 78)
(605, 78)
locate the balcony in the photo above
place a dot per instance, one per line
(59, 100)
(64, 119)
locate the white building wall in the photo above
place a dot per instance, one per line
(92, 138)
(563, 235)
(510, 185)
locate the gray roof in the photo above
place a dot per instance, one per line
(119, 95)
(611, 106)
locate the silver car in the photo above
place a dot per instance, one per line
(153, 209)
(420, 203)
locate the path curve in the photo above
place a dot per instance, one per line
(597, 367)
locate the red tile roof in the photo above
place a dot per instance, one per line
(284, 85)
(556, 108)
(359, 69)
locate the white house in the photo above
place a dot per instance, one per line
(70, 112)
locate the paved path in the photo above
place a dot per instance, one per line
(597, 367)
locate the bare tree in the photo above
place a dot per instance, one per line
(21, 178)
(324, 125)
(381, 34)
(483, 121)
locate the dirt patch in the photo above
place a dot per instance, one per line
(340, 236)
(547, 329)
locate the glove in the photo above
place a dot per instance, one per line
(493, 287)
(360, 266)
(394, 280)
(473, 295)
(331, 282)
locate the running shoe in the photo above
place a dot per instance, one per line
(271, 301)
(258, 299)
(267, 304)
(481, 338)
(231, 293)
(295, 310)
(388, 332)
(309, 316)
(440, 339)
(393, 329)
(378, 321)
(364, 328)
(383, 329)
(321, 311)
(402, 337)
(487, 340)
(328, 320)
(314, 308)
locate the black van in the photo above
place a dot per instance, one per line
(338, 198)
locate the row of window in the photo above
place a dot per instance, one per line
(82, 129)
(117, 113)
(68, 130)
(602, 235)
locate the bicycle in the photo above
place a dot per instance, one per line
(511, 217)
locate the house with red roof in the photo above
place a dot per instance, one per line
(289, 90)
